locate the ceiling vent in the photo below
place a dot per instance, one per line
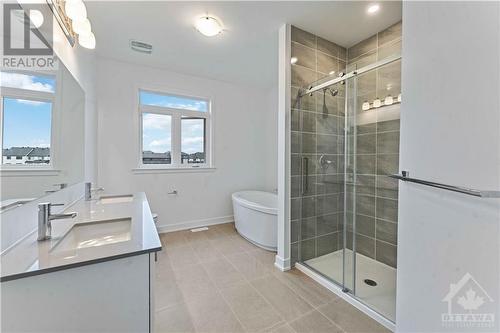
(141, 47)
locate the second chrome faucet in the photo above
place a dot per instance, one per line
(45, 218)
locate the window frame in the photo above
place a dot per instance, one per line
(34, 95)
(176, 132)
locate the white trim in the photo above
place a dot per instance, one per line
(282, 264)
(337, 290)
(145, 170)
(28, 171)
(194, 224)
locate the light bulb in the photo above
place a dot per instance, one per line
(388, 100)
(399, 98)
(76, 10)
(87, 41)
(208, 26)
(36, 18)
(377, 103)
(365, 106)
(373, 9)
(82, 27)
(293, 60)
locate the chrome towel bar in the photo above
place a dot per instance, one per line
(476, 193)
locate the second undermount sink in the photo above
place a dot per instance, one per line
(116, 198)
(93, 234)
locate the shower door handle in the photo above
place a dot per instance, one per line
(305, 174)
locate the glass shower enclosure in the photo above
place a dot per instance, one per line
(344, 144)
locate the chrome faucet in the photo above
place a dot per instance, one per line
(45, 217)
(89, 190)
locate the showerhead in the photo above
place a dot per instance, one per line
(333, 92)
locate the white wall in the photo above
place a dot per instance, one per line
(242, 140)
(450, 125)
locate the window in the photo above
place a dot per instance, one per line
(175, 131)
(26, 107)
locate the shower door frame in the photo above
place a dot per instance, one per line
(351, 292)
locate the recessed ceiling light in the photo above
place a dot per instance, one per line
(373, 8)
(208, 26)
(293, 60)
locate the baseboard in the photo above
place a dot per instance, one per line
(194, 224)
(282, 264)
(346, 297)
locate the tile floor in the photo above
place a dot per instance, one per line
(215, 281)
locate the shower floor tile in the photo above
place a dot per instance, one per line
(382, 297)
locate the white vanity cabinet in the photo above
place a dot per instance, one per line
(110, 296)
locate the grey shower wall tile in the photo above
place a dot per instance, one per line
(302, 76)
(329, 184)
(326, 144)
(295, 208)
(387, 164)
(387, 231)
(330, 48)
(366, 144)
(326, 63)
(326, 244)
(295, 138)
(367, 83)
(327, 204)
(306, 56)
(362, 61)
(387, 187)
(388, 143)
(326, 224)
(362, 47)
(365, 245)
(327, 124)
(365, 205)
(391, 33)
(365, 164)
(308, 207)
(294, 230)
(365, 225)
(389, 50)
(387, 254)
(366, 128)
(389, 79)
(365, 184)
(303, 37)
(295, 164)
(308, 249)
(308, 143)
(306, 102)
(311, 163)
(295, 120)
(308, 228)
(387, 209)
(308, 121)
(309, 186)
(295, 184)
(390, 125)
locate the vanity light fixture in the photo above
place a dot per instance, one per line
(377, 103)
(208, 26)
(388, 100)
(365, 106)
(372, 9)
(399, 98)
(293, 60)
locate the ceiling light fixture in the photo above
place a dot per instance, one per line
(208, 26)
(294, 60)
(372, 9)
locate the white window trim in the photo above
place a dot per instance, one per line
(176, 133)
(42, 96)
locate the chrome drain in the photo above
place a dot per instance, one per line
(370, 282)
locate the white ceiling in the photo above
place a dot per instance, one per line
(246, 53)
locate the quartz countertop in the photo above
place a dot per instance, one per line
(30, 257)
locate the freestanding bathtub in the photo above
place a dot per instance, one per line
(255, 217)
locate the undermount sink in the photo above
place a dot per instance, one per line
(93, 234)
(116, 198)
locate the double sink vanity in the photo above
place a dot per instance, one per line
(93, 274)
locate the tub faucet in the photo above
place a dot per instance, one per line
(89, 190)
(45, 217)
